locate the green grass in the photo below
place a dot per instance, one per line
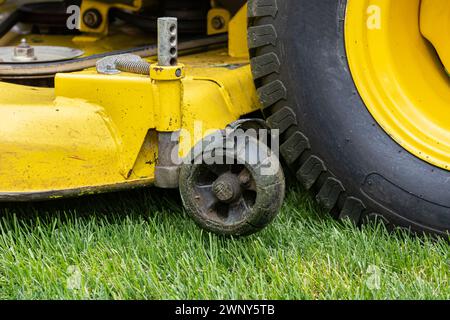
(140, 245)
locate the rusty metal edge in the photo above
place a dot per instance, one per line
(72, 193)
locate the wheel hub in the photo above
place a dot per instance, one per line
(399, 75)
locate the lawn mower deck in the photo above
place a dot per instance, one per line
(112, 126)
(98, 132)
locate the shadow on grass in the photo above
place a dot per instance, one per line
(163, 207)
(145, 203)
(132, 204)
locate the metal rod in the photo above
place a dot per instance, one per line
(167, 42)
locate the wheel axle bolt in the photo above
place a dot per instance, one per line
(223, 191)
(227, 188)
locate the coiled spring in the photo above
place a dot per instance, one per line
(138, 67)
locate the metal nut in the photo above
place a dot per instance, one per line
(24, 52)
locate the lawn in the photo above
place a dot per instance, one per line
(140, 245)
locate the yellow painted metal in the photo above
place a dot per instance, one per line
(55, 143)
(399, 76)
(169, 73)
(98, 132)
(169, 91)
(124, 108)
(435, 26)
(103, 8)
(218, 21)
(237, 35)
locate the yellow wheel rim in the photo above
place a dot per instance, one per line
(397, 63)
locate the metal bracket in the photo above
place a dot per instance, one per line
(168, 73)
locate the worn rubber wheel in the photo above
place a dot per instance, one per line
(330, 137)
(228, 191)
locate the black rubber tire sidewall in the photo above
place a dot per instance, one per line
(371, 166)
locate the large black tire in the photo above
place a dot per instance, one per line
(329, 138)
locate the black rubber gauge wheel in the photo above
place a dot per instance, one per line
(329, 139)
(227, 193)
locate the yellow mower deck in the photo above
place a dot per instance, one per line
(96, 132)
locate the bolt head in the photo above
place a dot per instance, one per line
(92, 18)
(218, 22)
(223, 191)
(227, 188)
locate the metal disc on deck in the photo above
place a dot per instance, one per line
(25, 53)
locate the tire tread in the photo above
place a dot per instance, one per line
(295, 147)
